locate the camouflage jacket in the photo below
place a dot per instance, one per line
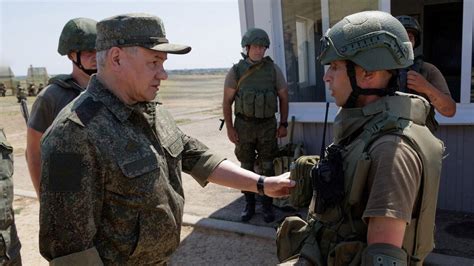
(9, 243)
(111, 180)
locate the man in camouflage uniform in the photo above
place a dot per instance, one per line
(255, 84)
(375, 191)
(9, 243)
(111, 187)
(426, 80)
(77, 41)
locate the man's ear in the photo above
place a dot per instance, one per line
(72, 56)
(115, 55)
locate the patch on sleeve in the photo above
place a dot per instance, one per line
(87, 110)
(65, 172)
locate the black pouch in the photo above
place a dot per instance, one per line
(328, 179)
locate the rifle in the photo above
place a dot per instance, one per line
(24, 110)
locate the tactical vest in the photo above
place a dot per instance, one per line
(340, 230)
(256, 96)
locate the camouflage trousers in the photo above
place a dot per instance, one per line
(257, 137)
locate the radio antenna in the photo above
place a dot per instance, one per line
(323, 145)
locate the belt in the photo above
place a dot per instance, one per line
(248, 118)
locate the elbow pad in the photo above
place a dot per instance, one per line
(384, 254)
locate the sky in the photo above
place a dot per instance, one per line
(30, 29)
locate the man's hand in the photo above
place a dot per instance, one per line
(278, 186)
(416, 82)
(281, 132)
(232, 135)
(443, 103)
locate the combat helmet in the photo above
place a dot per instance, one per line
(374, 40)
(255, 36)
(410, 23)
(78, 34)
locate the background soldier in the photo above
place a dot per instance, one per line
(77, 41)
(111, 187)
(255, 84)
(20, 93)
(3, 89)
(376, 190)
(9, 243)
(426, 80)
(31, 89)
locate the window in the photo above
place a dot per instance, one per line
(301, 33)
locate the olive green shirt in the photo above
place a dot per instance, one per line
(111, 180)
(394, 179)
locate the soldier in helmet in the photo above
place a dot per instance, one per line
(31, 89)
(376, 190)
(111, 186)
(256, 85)
(426, 80)
(77, 42)
(9, 243)
(20, 93)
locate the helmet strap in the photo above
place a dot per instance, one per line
(88, 72)
(356, 90)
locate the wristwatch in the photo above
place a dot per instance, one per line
(260, 186)
(284, 124)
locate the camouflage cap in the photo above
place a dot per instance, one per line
(137, 29)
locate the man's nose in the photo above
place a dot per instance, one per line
(162, 74)
(326, 76)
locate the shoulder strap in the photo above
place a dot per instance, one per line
(249, 72)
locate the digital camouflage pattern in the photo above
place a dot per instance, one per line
(138, 29)
(256, 135)
(78, 34)
(255, 36)
(9, 243)
(111, 180)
